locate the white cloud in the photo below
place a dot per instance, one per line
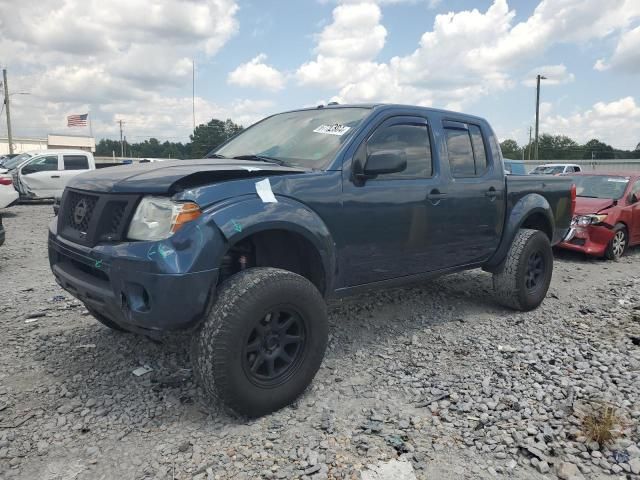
(555, 75)
(345, 47)
(626, 56)
(466, 55)
(122, 57)
(151, 115)
(616, 123)
(256, 73)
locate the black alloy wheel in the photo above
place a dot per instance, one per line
(535, 271)
(274, 347)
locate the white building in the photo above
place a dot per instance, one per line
(53, 141)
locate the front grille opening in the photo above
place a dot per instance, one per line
(112, 220)
(88, 218)
(79, 210)
(578, 241)
(83, 267)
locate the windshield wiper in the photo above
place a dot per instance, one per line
(262, 158)
(216, 155)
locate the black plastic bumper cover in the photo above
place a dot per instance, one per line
(134, 299)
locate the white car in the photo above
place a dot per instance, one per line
(556, 169)
(45, 174)
(8, 194)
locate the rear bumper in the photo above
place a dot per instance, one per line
(592, 240)
(8, 198)
(135, 299)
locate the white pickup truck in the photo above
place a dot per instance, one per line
(46, 173)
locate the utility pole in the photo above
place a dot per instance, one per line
(121, 142)
(538, 78)
(7, 107)
(529, 147)
(193, 91)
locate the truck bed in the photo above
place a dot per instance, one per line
(552, 189)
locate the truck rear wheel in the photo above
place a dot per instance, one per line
(262, 342)
(524, 279)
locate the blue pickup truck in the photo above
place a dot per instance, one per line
(242, 248)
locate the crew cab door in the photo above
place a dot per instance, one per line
(41, 175)
(73, 164)
(390, 228)
(476, 194)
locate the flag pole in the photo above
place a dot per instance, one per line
(90, 126)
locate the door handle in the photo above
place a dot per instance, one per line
(491, 194)
(55, 176)
(434, 196)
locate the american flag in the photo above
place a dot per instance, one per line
(77, 120)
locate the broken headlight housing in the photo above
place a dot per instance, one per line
(586, 220)
(157, 218)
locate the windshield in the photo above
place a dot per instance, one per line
(15, 161)
(593, 186)
(548, 170)
(308, 138)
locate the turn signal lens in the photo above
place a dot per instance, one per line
(188, 211)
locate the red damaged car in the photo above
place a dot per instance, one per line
(607, 214)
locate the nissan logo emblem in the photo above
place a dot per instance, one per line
(80, 211)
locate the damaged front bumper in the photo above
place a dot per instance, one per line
(123, 283)
(592, 239)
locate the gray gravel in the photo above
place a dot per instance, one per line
(437, 376)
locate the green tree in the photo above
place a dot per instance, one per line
(558, 147)
(510, 149)
(598, 150)
(206, 137)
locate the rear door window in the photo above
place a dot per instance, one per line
(466, 150)
(479, 152)
(76, 162)
(460, 153)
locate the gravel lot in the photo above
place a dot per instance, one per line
(437, 376)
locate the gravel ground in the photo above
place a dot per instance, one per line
(437, 379)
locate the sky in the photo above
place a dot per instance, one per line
(132, 60)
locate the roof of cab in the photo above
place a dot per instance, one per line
(386, 106)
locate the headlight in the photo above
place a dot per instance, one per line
(157, 218)
(586, 220)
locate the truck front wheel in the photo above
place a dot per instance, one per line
(262, 342)
(524, 279)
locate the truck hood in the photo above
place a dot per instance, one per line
(585, 205)
(173, 176)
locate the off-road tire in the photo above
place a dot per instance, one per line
(217, 347)
(610, 253)
(105, 321)
(510, 283)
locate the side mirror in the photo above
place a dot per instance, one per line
(633, 198)
(27, 169)
(385, 161)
